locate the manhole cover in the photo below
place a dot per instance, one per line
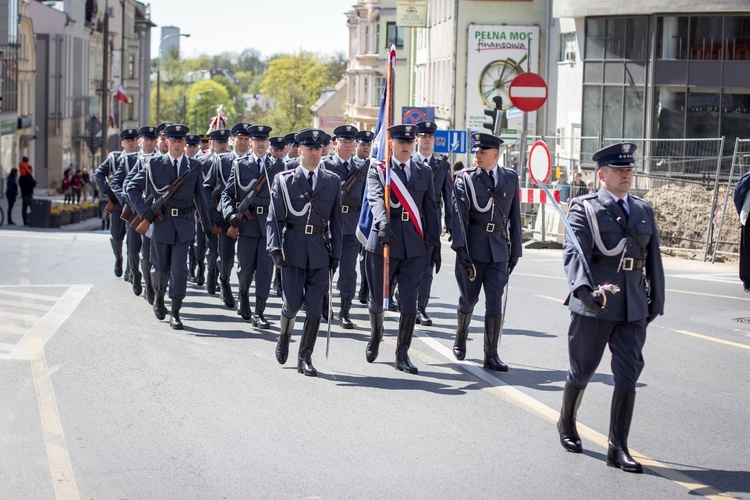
(741, 320)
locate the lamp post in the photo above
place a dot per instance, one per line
(195, 109)
(158, 73)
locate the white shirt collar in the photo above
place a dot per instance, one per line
(171, 160)
(615, 198)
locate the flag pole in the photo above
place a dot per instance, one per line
(389, 82)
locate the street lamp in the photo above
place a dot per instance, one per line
(195, 109)
(158, 72)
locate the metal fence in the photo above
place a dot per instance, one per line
(728, 228)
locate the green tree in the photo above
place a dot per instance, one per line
(203, 98)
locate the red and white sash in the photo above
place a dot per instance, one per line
(407, 202)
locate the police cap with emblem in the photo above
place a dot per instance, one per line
(326, 139)
(160, 128)
(616, 156)
(310, 137)
(205, 138)
(346, 132)
(365, 136)
(177, 131)
(192, 139)
(403, 133)
(221, 135)
(277, 142)
(289, 138)
(240, 129)
(147, 132)
(480, 140)
(259, 132)
(129, 133)
(426, 128)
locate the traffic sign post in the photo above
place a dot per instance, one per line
(527, 92)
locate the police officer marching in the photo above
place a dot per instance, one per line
(175, 182)
(251, 179)
(352, 173)
(363, 150)
(413, 221)
(102, 176)
(487, 240)
(618, 245)
(192, 149)
(304, 240)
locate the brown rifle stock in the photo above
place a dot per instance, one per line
(110, 207)
(141, 225)
(126, 212)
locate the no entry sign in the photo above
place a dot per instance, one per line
(528, 91)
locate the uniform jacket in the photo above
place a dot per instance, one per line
(353, 199)
(246, 169)
(484, 246)
(104, 171)
(291, 163)
(407, 242)
(306, 251)
(631, 302)
(217, 170)
(442, 184)
(125, 163)
(173, 229)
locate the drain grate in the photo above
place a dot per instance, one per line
(741, 320)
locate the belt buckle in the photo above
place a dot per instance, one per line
(344, 209)
(490, 227)
(175, 212)
(404, 216)
(259, 210)
(627, 264)
(309, 229)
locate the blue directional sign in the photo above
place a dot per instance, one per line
(444, 140)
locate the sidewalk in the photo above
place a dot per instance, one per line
(57, 199)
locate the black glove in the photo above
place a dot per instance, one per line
(149, 215)
(278, 259)
(592, 302)
(219, 220)
(436, 259)
(651, 317)
(450, 234)
(512, 264)
(464, 261)
(112, 197)
(334, 264)
(385, 234)
(235, 221)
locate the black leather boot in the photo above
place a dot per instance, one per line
(344, 321)
(127, 276)
(405, 331)
(326, 298)
(364, 292)
(285, 335)
(174, 317)
(258, 320)
(200, 276)
(243, 307)
(306, 346)
(118, 265)
(492, 336)
(137, 288)
(462, 332)
(566, 425)
(213, 275)
(277, 282)
(621, 415)
(422, 318)
(150, 293)
(376, 335)
(160, 310)
(226, 293)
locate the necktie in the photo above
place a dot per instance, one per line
(176, 169)
(492, 177)
(310, 178)
(402, 172)
(624, 210)
(346, 166)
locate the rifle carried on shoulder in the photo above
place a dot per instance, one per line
(444, 160)
(243, 211)
(349, 182)
(144, 224)
(126, 212)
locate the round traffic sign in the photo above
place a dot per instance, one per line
(528, 91)
(540, 163)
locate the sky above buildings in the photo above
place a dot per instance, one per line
(270, 26)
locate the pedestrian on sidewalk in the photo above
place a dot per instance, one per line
(76, 185)
(26, 183)
(66, 186)
(11, 192)
(86, 179)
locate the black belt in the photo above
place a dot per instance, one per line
(401, 214)
(490, 227)
(302, 228)
(257, 209)
(345, 209)
(628, 263)
(174, 212)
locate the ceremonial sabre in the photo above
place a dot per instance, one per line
(330, 309)
(539, 170)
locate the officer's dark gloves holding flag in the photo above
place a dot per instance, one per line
(591, 301)
(385, 234)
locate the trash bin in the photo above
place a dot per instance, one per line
(39, 216)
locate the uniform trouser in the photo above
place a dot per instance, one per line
(492, 277)
(429, 268)
(212, 255)
(408, 272)
(253, 259)
(117, 230)
(133, 244)
(587, 338)
(169, 267)
(303, 285)
(225, 260)
(146, 256)
(200, 242)
(348, 266)
(745, 255)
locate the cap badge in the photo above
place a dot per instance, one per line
(315, 134)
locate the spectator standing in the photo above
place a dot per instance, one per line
(578, 188)
(86, 179)
(564, 187)
(11, 192)
(76, 185)
(66, 186)
(26, 183)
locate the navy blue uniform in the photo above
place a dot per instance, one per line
(102, 176)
